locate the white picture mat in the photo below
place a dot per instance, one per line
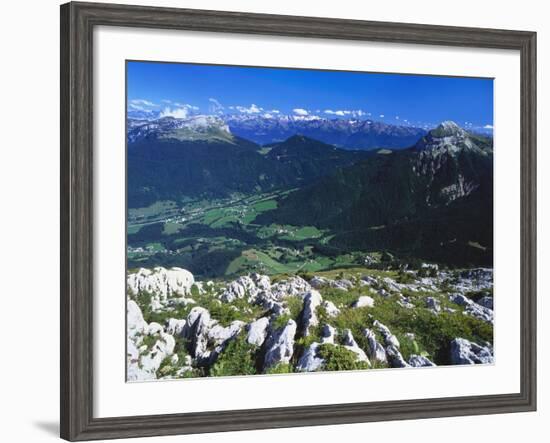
(114, 397)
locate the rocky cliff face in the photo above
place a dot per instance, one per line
(162, 284)
(434, 200)
(179, 328)
(455, 162)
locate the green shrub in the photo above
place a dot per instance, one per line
(143, 300)
(338, 358)
(162, 316)
(476, 295)
(224, 313)
(166, 367)
(436, 332)
(302, 343)
(427, 272)
(181, 349)
(280, 277)
(341, 297)
(149, 341)
(281, 368)
(281, 321)
(386, 256)
(295, 306)
(405, 278)
(446, 286)
(408, 347)
(195, 290)
(236, 359)
(306, 275)
(433, 332)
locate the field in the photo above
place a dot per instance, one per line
(215, 238)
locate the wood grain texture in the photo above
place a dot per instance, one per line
(76, 308)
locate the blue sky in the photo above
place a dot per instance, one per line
(180, 89)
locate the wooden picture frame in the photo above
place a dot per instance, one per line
(77, 23)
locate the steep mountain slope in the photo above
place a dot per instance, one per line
(308, 159)
(434, 199)
(455, 162)
(171, 169)
(199, 157)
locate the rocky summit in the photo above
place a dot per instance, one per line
(355, 319)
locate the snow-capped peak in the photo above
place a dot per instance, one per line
(448, 128)
(447, 137)
(196, 127)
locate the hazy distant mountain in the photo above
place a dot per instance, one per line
(345, 133)
(200, 127)
(273, 128)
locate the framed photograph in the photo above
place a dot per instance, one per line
(273, 221)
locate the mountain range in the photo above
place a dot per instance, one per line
(438, 192)
(355, 134)
(433, 198)
(345, 133)
(169, 159)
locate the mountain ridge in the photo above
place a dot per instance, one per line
(164, 166)
(413, 197)
(354, 134)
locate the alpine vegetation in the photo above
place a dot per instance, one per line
(260, 324)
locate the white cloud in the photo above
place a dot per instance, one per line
(275, 111)
(331, 112)
(142, 102)
(382, 115)
(358, 113)
(344, 112)
(397, 117)
(175, 112)
(488, 127)
(300, 111)
(179, 110)
(166, 101)
(185, 105)
(252, 109)
(215, 106)
(138, 107)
